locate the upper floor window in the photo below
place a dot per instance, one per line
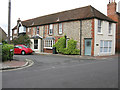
(37, 29)
(29, 30)
(99, 26)
(15, 31)
(110, 28)
(34, 29)
(60, 28)
(50, 29)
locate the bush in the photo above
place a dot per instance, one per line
(22, 39)
(60, 44)
(6, 54)
(71, 47)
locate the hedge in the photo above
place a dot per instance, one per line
(6, 54)
(69, 50)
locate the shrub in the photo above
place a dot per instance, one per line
(71, 47)
(22, 39)
(6, 54)
(60, 44)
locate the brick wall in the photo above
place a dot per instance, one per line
(86, 32)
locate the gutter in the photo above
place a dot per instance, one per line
(80, 37)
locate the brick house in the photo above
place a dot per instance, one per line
(114, 15)
(93, 31)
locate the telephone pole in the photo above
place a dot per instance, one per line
(9, 20)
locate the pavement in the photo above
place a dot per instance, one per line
(14, 64)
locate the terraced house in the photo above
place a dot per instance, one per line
(93, 31)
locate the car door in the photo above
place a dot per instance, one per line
(17, 49)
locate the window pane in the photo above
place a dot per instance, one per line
(106, 49)
(105, 43)
(101, 43)
(109, 49)
(110, 43)
(110, 27)
(101, 49)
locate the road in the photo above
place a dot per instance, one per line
(51, 71)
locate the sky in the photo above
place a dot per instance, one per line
(27, 9)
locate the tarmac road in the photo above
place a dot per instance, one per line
(51, 71)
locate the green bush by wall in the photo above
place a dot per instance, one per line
(6, 54)
(69, 50)
(60, 44)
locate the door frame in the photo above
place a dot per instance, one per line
(85, 46)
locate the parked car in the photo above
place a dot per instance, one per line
(22, 49)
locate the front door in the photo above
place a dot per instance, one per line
(88, 47)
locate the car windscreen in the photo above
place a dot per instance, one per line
(25, 46)
(18, 47)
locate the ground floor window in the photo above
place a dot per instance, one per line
(36, 44)
(48, 44)
(105, 46)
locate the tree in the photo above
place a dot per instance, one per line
(22, 39)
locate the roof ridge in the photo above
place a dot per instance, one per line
(58, 12)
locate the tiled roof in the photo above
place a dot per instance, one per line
(87, 12)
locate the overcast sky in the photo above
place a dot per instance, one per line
(27, 9)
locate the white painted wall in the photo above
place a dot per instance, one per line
(39, 46)
(22, 29)
(119, 6)
(104, 36)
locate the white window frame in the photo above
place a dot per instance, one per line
(50, 29)
(99, 27)
(34, 29)
(110, 29)
(15, 31)
(38, 30)
(48, 44)
(60, 28)
(107, 46)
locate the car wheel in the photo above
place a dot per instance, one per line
(23, 52)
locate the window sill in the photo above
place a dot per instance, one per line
(50, 34)
(60, 33)
(48, 47)
(109, 34)
(100, 33)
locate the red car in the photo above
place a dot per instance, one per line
(22, 49)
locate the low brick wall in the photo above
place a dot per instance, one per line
(48, 50)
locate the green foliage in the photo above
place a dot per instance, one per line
(6, 54)
(22, 39)
(71, 47)
(60, 44)
(4, 42)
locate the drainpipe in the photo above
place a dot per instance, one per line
(80, 37)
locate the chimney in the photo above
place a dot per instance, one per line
(119, 6)
(18, 20)
(111, 8)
